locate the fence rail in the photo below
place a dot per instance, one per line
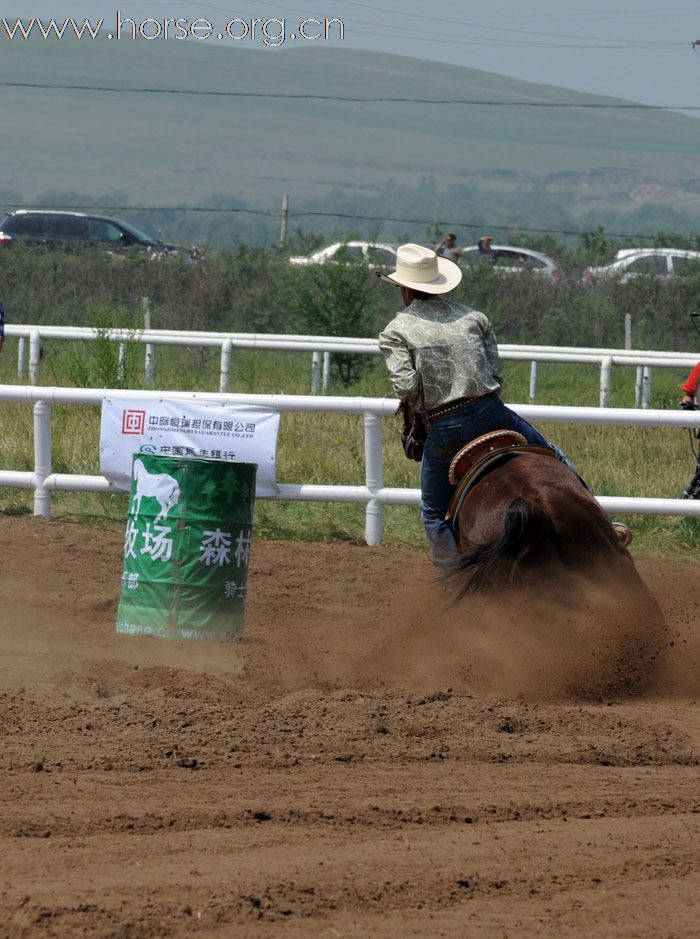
(321, 348)
(373, 494)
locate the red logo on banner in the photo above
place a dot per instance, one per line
(133, 422)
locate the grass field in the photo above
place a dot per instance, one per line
(323, 448)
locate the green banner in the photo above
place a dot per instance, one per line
(187, 548)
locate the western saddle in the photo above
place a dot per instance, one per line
(480, 456)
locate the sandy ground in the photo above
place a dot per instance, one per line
(368, 762)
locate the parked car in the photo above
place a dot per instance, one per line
(655, 262)
(66, 229)
(374, 254)
(513, 260)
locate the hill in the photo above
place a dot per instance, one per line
(184, 149)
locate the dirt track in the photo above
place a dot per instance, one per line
(364, 764)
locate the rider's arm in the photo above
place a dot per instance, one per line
(491, 350)
(690, 387)
(404, 377)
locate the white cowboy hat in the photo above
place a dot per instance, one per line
(421, 269)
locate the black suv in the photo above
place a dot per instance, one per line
(45, 227)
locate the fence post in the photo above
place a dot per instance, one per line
(42, 457)
(315, 373)
(34, 356)
(150, 363)
(121, 370)
(606, 365)
(628, 330)
(226, 356)
(374, 478)
(533, 380)
(21, 356)
(646, 386)
(326, 371)
(638, 388)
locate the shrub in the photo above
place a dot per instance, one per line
(251, 289)
(334, 299)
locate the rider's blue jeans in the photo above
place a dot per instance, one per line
(446, 436)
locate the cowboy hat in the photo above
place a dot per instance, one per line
(421, 269)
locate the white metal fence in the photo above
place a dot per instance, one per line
(321, 348)
(374, 494)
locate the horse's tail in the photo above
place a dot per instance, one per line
(526, 526)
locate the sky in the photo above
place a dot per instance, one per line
(639, 50)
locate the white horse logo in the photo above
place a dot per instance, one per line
(158, 486)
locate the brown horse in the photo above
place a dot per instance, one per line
(532, 536)
(530, 512)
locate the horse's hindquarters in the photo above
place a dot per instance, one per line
(536, 542)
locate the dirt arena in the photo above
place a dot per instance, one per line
(367, 762)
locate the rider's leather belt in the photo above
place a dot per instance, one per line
(455, 405)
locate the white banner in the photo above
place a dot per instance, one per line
(188, 429)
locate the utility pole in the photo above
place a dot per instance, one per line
(285, 218)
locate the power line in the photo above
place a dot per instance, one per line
(459, 224)
(497, 29)
(587, 40)
(352, 99)
(137, 208)
(460, 38)
(507, 43)
(351, 216)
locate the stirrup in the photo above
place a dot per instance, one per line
(624, 533)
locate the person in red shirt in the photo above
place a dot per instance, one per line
(689, 389)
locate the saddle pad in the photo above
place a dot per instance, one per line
(482, 446)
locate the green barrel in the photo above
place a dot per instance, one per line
(187, 548)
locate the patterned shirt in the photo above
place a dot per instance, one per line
(447, 345)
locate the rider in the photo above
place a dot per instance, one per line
(689, 389)
(443, 359)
